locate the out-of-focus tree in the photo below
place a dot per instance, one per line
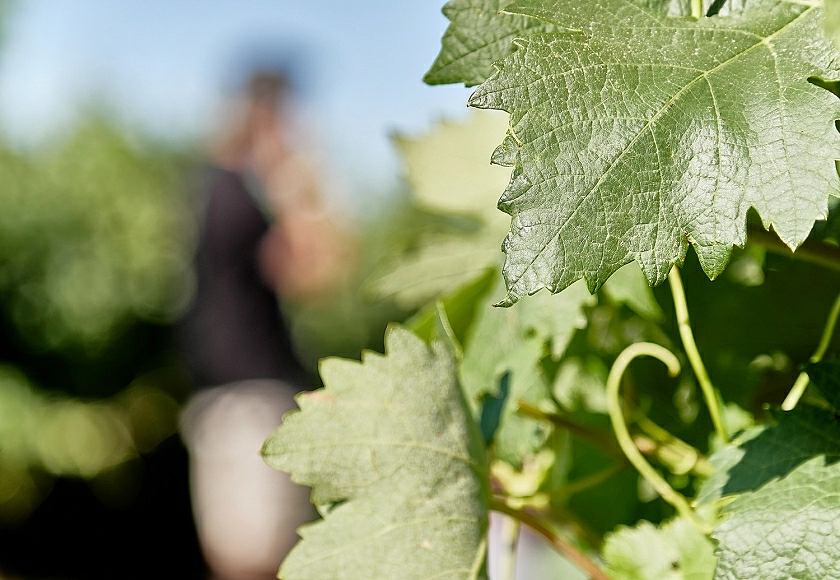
(95, 233)
(96, 236)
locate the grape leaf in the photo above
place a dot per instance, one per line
(556, 318)
(497, 347)
(480, 33)
(496, 333)
(459, 307)
(628, 286)
(390, 445)
(639, 134)
(676, 551)
(582, 383)
(786, 480)
(449, 172)
(832, 19)
(518, 437)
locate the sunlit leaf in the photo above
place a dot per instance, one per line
(785, 481)
(638, 134)
(390, 445)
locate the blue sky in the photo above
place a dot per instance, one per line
(165, 64)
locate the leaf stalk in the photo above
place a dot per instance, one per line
(562, 545)
(661, 444)
(694, 358)
(588, 482)
(597, 437)
(811, 251)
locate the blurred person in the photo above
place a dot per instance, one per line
(266, 232)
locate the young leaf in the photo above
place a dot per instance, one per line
(459, 306)
(391, 446)
(497, 346)
(639, 134)
(556, 318)
(478, 35)
(513, 341)
(628, 286)
(785, 480)
(676, 551)
(449, 168)
(450, 174)
(440, 265)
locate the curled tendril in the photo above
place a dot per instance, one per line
(622, 434)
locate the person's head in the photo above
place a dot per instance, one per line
(258, 116)
(267, 94)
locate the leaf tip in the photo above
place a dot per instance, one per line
(506, 302)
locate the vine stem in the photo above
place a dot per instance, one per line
(598, 438)
(662, 442)
(584, 483)
(625, 441)
(810, 251)
(687, 336)
(802, 380)
(697, 9)
(559, 543)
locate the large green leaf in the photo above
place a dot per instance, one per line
(638, 134)
(391, 446)
(785, 480)
(481, 32)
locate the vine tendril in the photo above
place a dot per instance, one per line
(622, 434)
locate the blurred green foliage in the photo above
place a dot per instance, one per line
(96, 241)
(95, 233)
(44, 436)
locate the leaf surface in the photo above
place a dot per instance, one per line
(441, 264)
(392, 451)
(638, 134)
(628, 286)
(785, 519)
(450, 174)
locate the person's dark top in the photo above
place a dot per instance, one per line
(234, 330)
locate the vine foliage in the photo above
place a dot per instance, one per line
(635, 129)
